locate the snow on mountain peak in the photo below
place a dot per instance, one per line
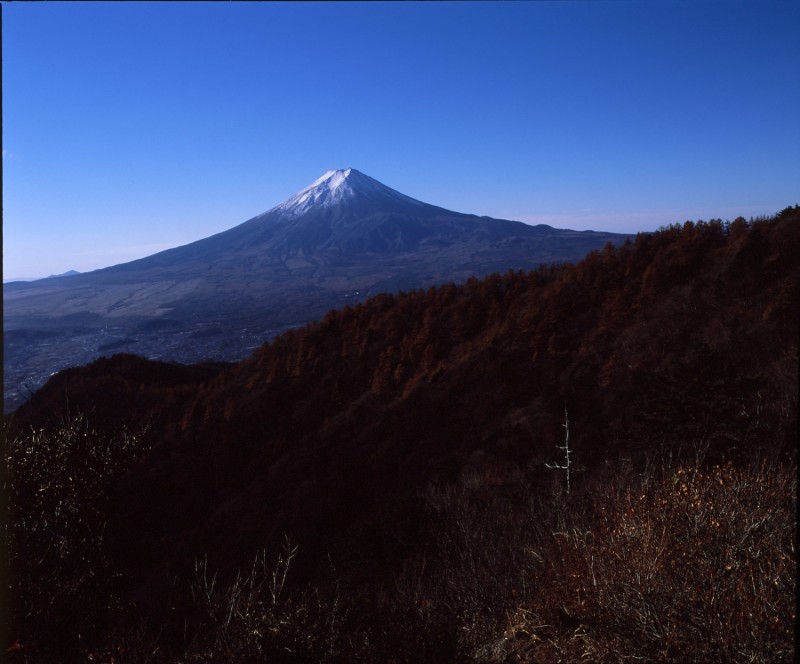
(328, 190)
(335, 187)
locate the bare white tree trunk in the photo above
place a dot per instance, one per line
(564, 447)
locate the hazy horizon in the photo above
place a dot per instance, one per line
(132, 128)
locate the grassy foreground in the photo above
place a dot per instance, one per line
(665, 562)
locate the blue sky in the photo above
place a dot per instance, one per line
(129, 128)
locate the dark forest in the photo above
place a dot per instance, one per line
(391, 482)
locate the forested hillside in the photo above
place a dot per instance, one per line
(390, 470)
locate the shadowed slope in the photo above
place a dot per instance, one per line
(668, 345)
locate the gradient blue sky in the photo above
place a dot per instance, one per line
(129, 128)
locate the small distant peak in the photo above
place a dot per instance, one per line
(68, 273)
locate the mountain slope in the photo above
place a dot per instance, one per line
(342, 238)
(341, 218)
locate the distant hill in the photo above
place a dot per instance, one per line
(678, 346)
(68, 273)
(339, 240)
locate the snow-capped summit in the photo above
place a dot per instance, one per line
(336, 187)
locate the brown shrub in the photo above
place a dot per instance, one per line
(697, 565)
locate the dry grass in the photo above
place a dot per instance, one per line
(685, 564)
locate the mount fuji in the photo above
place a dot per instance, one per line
(342, 238)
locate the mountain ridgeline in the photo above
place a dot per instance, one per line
(339, 240)
(365, 436)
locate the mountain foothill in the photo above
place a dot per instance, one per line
(590, 459)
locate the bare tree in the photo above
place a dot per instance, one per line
(564, 447)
